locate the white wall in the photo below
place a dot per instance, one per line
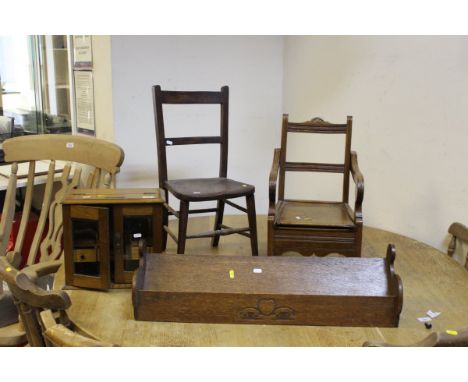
(250, 66)
(408, 97)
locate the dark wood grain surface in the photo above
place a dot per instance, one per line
(283, 291)
(202, 189)
(285, 275)
(320, 214)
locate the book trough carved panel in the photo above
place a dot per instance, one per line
(266, 309)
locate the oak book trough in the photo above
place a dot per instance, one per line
(330, 291)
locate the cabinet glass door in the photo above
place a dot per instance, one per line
(136, 228)
(132, 225)
(86, 239)
(86, 251)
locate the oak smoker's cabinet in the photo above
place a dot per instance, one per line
(103, 230)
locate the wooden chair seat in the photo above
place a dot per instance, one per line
(317, 214)
(202, 189)
(13, 335)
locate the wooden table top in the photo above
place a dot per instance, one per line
(431, 280)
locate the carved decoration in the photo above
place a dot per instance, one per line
(318, 121)
(306, 252)
(266, 309)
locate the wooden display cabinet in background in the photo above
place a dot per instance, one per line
(103, 230)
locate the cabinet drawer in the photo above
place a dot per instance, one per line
(84, 255)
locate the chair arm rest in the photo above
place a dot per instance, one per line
(30, 293)
(459, 230)
(25, 289)
(273, 180)
(359, 181)
(41, 269)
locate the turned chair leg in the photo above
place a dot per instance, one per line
(183, 220)
(250, 199)
(270, 234)
(358, 238)
(218, 222)
(165, 219)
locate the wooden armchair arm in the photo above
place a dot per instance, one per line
(359, 181)
(25, 289)
(438, 339)
(459, 230)
(7, 272)
(272, 181)
(41, 269)
(34, 295)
